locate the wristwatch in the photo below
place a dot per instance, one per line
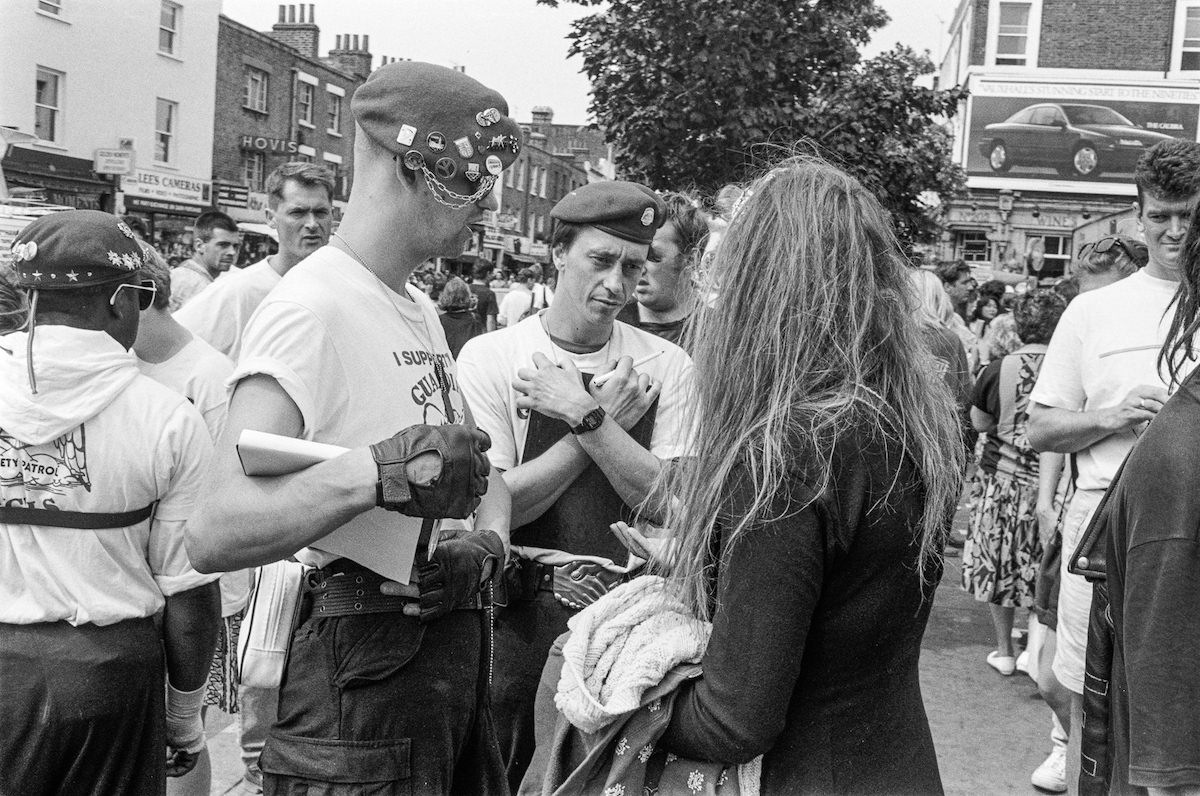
(590, 422)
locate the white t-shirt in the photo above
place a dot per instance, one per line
(148, 444)
(355, 357)
(198, 372)
(1106, 344)
(488, 365)
(187, 280)
(516, 303)
(219, 313)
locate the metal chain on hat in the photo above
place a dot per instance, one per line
(485, 186)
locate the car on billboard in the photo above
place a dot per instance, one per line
(1076, 140)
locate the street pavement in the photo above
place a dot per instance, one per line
(990, 731)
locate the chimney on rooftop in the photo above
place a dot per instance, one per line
(542, 114)
(351, 57)
(299, 31)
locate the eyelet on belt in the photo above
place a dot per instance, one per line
(358, 579)
(358, 593)
(321, 609)
(358, 606)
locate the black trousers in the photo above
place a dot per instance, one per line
(381, 704)
(525, 631)
(83, 710)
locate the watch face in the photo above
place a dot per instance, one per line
(591, 421)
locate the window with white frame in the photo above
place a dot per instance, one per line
(542, 185)
(254, 169)
(168, 28)
(333, 115)
(508, 177)
(47, 107)
(50, 6)
(1056, 254)
(1012, 37)
(254, 92)
(972, 247)
(304, 104)
(1189, 49)
(1013, 33)
(165, 120)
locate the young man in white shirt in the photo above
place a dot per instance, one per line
(216, 241)
(1100, 384)
(576, 456)
(100, 468)
(386, 684)
(300, 209)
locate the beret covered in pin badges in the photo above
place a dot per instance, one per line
(628, 210)
(75, 248)
(442, 123)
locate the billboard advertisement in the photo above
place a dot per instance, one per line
(1081, 137)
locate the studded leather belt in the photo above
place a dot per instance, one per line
(345, 588)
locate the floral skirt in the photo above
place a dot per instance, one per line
(222, 686)
(1003, 549)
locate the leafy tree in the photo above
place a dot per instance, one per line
(689, 91)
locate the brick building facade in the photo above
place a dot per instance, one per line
(1065, 95)
(278, 100)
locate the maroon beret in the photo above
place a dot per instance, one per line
(628, 210)
(440, 122)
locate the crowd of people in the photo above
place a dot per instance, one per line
(543, 533)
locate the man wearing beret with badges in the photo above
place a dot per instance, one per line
(385, 686)
(577, 454)
(100, 468)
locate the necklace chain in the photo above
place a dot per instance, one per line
(387, 292)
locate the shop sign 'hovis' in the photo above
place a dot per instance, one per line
(262, 143)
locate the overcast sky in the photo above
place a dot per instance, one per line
(519, 47)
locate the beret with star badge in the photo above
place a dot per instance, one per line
(439, 122)
(75, 248)
(628, 210)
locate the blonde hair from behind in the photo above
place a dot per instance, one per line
(815, 339)
(935, 306)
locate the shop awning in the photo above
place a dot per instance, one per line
(52, 170)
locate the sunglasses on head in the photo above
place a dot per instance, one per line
(1103, 245)
(146, 292)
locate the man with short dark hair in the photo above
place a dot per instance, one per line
(577, 455)
(666, 294)
(1099, 383)
(216, 240)
(101, 612)
(300, 210)
(486, 308)
(386, 683)
(960, 285)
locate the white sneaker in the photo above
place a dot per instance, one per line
(1051, 775)
(1023, 662)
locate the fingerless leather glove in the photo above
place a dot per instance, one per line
(456, 490)
(458, 568)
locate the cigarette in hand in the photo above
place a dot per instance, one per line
(603, 377)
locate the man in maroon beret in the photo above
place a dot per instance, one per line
(100, 468)
(385, 687)
(583, 412)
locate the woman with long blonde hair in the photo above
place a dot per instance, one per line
(826, 466)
